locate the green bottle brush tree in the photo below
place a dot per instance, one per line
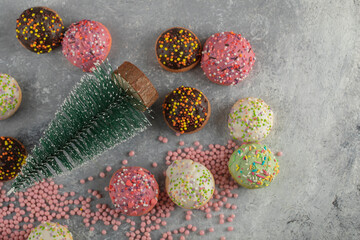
(102, 110)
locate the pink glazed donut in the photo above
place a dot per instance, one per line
(227, 58)
(133, 190)
(86, 43)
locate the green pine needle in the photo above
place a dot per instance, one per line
(98, 114)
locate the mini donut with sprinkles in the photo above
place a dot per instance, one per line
(250, 120)
(12, 157)
(253, 166)
(189, 184)
(186, 110)
(86, 43)
(227, 58)
(10, 96)
(50, 230)
(178, 49)
(39, 29)
(133, 190)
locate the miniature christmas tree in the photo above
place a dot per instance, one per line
(105, 108)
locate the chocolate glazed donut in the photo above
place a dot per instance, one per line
(39, 29)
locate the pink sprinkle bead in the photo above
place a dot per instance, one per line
(279, 154)
(230, 229)
(165, 140)
(124, 162)
(131, 153)
(45, 202)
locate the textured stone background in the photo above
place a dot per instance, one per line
(307, 69)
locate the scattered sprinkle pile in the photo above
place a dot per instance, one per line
(46, 201)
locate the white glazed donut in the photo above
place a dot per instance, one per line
(250, 120)
(189, 184)
(50, 231)
(10, 96)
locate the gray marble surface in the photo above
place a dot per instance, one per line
(307, 69)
